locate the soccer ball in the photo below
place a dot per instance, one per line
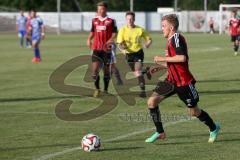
(91, 142)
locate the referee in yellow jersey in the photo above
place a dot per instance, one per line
(132, 39)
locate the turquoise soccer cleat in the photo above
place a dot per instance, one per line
(155, 137)
(214, 134)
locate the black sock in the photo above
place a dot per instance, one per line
(205, 118)
(117, 74)
(96, 83)
(235, 48)
(156, 117)
(141, 82)
(144, 71)
(106, 82)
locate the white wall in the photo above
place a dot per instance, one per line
(190, 21)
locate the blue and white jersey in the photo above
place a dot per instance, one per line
(36, 25)
(21, 22)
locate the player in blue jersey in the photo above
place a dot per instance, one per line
(21, 27)
(37, 30)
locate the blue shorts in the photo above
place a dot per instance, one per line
(36, 39)
(21, 33)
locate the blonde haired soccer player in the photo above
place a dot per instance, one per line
(181, 80)
(132, 38)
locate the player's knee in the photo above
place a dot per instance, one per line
(95, 76)
(138, 73)
(34, 45)
(152, 102)
(195, 112)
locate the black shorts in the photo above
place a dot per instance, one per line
(135, 57)
(188, 94)
(235, 38)
(101, 56)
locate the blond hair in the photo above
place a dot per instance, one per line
(172, 19)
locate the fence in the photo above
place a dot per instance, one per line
(190, 21)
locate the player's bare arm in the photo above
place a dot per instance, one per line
(17, 28)
(89, 40)
(177, 58)
(114, 35)
(148, 43)
(43, 31)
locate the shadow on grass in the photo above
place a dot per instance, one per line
(202, 135)
(177, 143)
(191, 135)
(37, 147)
(235, 91)
(24, 99)
(219, 80)
(228, 140)
(128, 140)
(120, 149)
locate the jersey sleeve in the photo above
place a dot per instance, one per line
(178, 43)
(145, 35)
(41, 22)
(92, 27)
(120, 38)
(114, 26)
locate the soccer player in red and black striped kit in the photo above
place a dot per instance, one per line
(234, 29)
(103, 32)
(181, 80)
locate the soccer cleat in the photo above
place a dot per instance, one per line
(149, 76)
(96, 93)
(214, 134)
(38, 60)
(142, 94)
(156, 136)
(35, 60)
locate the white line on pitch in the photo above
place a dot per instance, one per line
(52, 155)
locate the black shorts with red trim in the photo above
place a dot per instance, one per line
(101, 56)
(188, 94)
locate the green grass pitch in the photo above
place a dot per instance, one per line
(29, 128)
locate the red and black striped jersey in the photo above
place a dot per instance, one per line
(178, 72)
(234, 24)
(102, 29)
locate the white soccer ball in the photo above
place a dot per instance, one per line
(91, 142)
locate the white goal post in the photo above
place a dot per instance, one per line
(221, 7)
